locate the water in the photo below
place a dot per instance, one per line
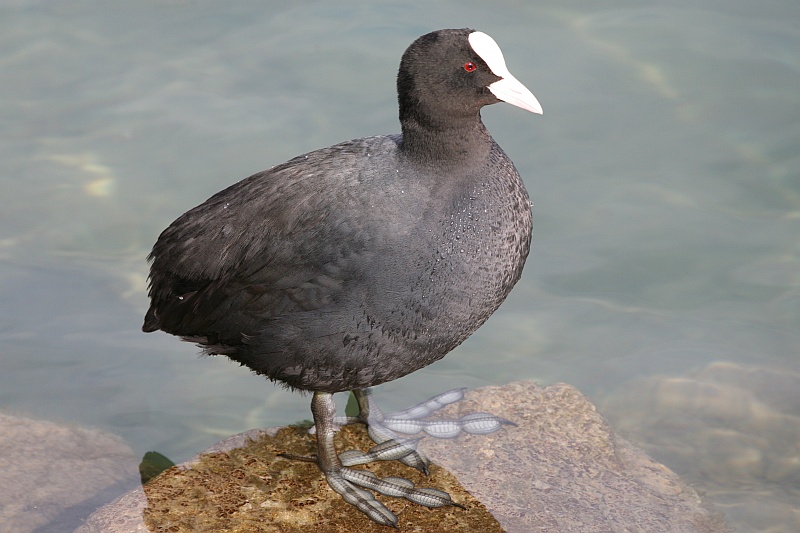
(665, 174)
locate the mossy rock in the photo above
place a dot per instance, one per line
(252, 489)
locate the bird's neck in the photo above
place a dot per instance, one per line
(453, 142)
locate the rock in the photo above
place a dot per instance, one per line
(560, 469)
(563, 468)
(250, 489)
(123, 515)
(52, 476)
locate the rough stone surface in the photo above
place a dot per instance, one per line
(52, 476)
(561, 469)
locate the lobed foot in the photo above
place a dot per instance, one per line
(350, 484)
(385, 430)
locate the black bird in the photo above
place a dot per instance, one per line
(360, 263)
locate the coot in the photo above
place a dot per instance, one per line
(360, 263)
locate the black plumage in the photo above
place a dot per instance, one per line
(359, 263)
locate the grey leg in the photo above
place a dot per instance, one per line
(348, 482)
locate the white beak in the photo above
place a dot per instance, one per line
(513, 92)
(507, 89)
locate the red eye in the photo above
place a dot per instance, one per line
(469, 66)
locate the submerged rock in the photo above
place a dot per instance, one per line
(731, 429)
(53, 476)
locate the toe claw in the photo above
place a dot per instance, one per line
(430, 497)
